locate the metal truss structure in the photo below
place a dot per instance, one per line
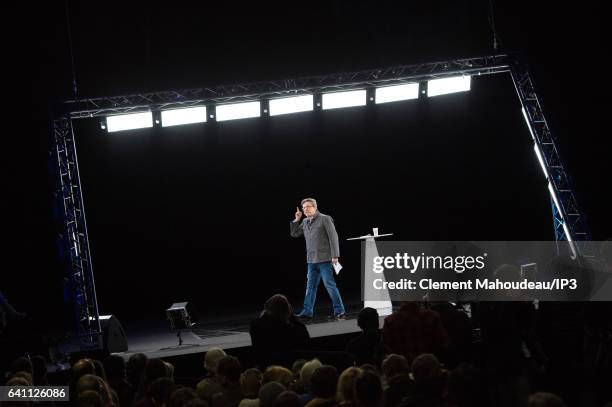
(569, 222)
(74, 235)
(106, 106)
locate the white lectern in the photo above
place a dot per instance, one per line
(377, 299)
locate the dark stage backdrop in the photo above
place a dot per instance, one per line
(201, 212)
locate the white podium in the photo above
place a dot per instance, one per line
(377, 299)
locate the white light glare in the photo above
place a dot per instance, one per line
(344, 99)
(444, 86)
(568, 237)
(238, 111)
(129, 121)
(293, 104)
(189, 115)
(540, 159)
(554, 197)
(396, 93)
(528, 125)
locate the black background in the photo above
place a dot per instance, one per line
(148, 253)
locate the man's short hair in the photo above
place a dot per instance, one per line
(212, 358)
(324, 381)
(368, 319)
(278, 307)
(311, 200)
(229, 367)
(395, 365)
(307, 371)
(425, 367)
(22, 364)
(368, 389)
(250, 381)
(278, 374)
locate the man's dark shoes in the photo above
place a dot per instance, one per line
(304, 318)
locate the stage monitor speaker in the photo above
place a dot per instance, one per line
(113, 336)
(181, 316)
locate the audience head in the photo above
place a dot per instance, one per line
(324, 381)
(269, 392)
(395, 365)
(250, 382)
(464, 386)
(278, 307)
(27, 376)
(81, 368)
(544, 400)
(161, 389)
(212, 358)
(278, 374)
(346, 384)
(296, 369)
(19, 381)
(287, 398)
(368, 389)
(297, 366)
(170, 369)
(563, 266)
(368, 320)
(425, 367)
(307, 371)
(229, 370)
(181, 396)
(22, 364)
(428, 374)
(369, 367)
(114, 366)
(135, 365)
(95, 383)
(89, 398)
(155, 369)
(99, 367)
(507, 272)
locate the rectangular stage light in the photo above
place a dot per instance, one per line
(528, 124)
(130, 121)
(238, 111)
(540, 159)
(293, 104)
(175, 117)
(554, 197)
(445, 86)
(344, 99)
(396, 93)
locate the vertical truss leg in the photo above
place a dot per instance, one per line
(80, 272)
(569, 222)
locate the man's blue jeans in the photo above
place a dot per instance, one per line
(316, 272)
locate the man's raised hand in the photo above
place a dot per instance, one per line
(298, 214)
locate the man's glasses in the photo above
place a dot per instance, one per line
(306, 207)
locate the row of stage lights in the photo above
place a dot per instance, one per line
(305, 103)
(284, 105)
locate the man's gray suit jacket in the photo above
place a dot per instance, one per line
(320, 235)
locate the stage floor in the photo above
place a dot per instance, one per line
(154, 339)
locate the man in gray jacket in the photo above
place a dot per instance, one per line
(322, 251)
